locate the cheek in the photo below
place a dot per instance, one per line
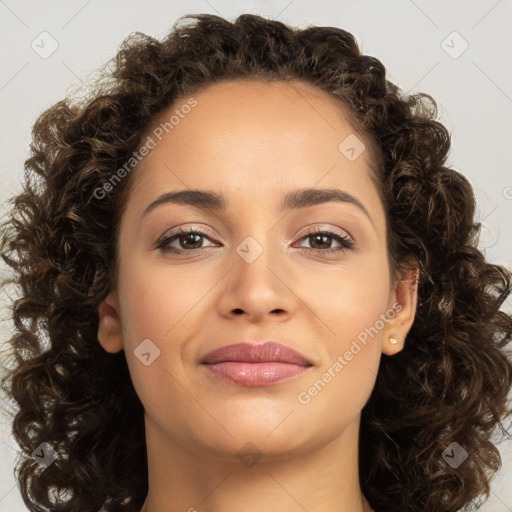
(348, 300)
(352, 348)
(156, 300)
(351, 303)
(162, 305)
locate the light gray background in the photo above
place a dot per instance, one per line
(473, 91)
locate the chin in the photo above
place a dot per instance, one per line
(273, 439)
(250, 448)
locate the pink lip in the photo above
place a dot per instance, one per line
(253, 365)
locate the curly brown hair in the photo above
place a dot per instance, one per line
(449, 383)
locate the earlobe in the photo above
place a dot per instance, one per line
(109, 324)
(404, 301)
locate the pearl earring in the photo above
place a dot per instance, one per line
(394, 341)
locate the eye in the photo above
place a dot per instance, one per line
(189, 239)
(320, 238)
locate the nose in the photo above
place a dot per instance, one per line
(256, 289)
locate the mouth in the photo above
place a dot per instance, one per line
(251, 365)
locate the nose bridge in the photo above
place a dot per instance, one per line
(257, 242)
(259, 235)
(257, 238)
(256, 254)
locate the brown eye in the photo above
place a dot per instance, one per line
(188, 240)
(321, 241)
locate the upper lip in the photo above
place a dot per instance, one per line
(270, 351)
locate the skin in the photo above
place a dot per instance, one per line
(254, 141)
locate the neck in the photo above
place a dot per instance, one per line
(317, 479)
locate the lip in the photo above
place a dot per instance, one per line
(250, 364)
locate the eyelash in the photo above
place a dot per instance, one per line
(346, 242)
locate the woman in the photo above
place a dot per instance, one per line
(257, 286)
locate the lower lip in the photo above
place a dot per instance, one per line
(255, 374)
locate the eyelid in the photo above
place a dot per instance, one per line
(322, 227)
(205, 230)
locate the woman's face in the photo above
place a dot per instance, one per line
(254, 273)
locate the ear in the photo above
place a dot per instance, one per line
(109, 326)
(403, 301)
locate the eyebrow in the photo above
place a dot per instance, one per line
(296, 199)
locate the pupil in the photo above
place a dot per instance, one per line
(321, 236)
(189, 237)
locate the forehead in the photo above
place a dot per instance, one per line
(267, 107)
(254, 139)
